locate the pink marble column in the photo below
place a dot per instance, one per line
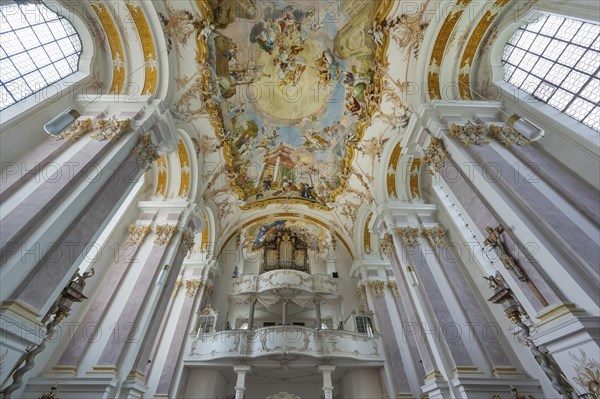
(388, 336)
(80, 341)
(151, 336)
(21, 219)
(411, 323)
(483, 215)
(182, 329)
(437, 302)
(126, 329)
(16, 174)
(58, 264)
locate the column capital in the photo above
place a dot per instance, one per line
(241, 368)
(326, 368)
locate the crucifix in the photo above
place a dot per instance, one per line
(494, 239)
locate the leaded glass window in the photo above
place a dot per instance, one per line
(38, 47)
(557, 60)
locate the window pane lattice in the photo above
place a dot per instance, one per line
(557, 60)
(37, 48)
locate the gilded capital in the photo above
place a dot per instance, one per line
(176, 287)
(145, 151)
(77, 129)
(187, 242)
(386, 245)
(164, 232)
(111, 128)
(436, 236)
(378, 288)
(507, 135)
(469, 133)
(393, 286)
(137, 233)
(191, 287)
(435, 155)
(409, 236)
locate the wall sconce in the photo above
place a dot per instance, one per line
(412, 276)
(527, 129)
(61, 122)
(163, 275)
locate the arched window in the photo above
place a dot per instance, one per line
(38, 47)
(557, 60)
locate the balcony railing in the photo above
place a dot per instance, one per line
(286, 278)
(284, 339)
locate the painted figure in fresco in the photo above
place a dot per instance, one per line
(265, 231)
(306, 191)
(288, 23)
(267, 181)
(328, 71)
(267, 37)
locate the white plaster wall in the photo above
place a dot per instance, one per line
(207, 384)
(359, 384)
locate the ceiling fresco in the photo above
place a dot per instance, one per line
(293, 88)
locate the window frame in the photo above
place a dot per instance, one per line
(62, 93)
(511, 67)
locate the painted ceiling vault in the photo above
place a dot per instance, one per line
(292, 103)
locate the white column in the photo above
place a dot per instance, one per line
(317, 301)
(327, 384)
(251, 313)
(284, 313)
(240, 385)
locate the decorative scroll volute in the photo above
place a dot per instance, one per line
(164, 232)
(409, 236)
(436, 236)
(378, 288)
(191, 287)
(137, 233)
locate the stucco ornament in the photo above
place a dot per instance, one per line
(112, 128)
(145, 151)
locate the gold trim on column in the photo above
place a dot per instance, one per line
(503, 371)
(556, 311)
(116, 47)
(466, 370)
(150, 61)
(59, 369)
(104, 370)
(22, 310)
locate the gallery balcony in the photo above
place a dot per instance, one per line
(286, 339)
(284, 279)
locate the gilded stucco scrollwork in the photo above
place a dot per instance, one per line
(146, 151)
(378, 288)
(393, 286)
(469, 133)
(77, 129)
(507, 135)
(164, 233)
(187, 242)
(111, 128)
(408, 30)
(436, 236)
(386, 244)
(435, 155)
(191, 287)
(409, 236)
(176, 287)
(137, 233)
